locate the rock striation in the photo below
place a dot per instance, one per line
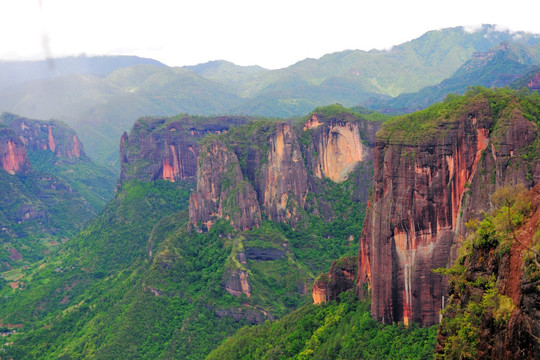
(167, 148)
(221, 190)
(283, 179)
(52, 135)
(425, 189)
(282, 163)
(509, 325)
(13, 155)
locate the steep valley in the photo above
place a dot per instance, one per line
(354, 235)
(203, 236)
(439, 177)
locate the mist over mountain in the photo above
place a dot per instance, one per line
(100, 97)
(15, 72)
(498, 67)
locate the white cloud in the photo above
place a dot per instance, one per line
(269, 33)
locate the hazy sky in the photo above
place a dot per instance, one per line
(272, 34)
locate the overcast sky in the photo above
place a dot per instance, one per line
(273, 34)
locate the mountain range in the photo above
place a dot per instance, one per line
(101, 97)
(321, 231)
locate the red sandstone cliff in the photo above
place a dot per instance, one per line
(54, 136)
(340, 278)
(283, 164)
(508, 326)
(221, 190)
(283, 178)
(423, 194)
(167, 148)
(13, 156)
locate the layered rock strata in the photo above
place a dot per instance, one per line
(167, 148)
(13, 156)
(424, 192)
(221, 190)
(509, 327)
(283, 163)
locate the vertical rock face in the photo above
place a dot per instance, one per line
(163, 148)
(340, 278)
(509, 326)
(284, 177)
(338, 145)
(340, 148)
(423, 194)
(237, 283)
(221, 190)
(283, 163)
(410, 227)
(54, 136)
(13, 156)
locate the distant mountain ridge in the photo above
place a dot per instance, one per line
(14, 72)
(102, 107)
(498, 67)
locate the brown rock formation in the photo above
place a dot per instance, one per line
(284, 177)
(278, 161)
(508, 331)
(340, 278)
(237, 282)
(13, 156)
(409, 230)
(420, 205)
(54, 136)
(340, 149)
(221, 190)
(167, 148)
(534, 83)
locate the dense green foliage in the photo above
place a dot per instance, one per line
(436, 119)
(477, 301)
(338, 110)
(336, 330)
(93, 181)
(48, 205)
(91, 275)
(138, 283)
(37, 213)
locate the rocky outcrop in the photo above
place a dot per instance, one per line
(263, 254)
(283, 163)
(283, 179)
(340, 278)
(423, 194)
(221, 191)
(339, 148)
(534, 82)
(53, 135)
(237, 282)
(167, 148)
(337, 145)
(500, 281)
(251, 314)
(13, 155)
